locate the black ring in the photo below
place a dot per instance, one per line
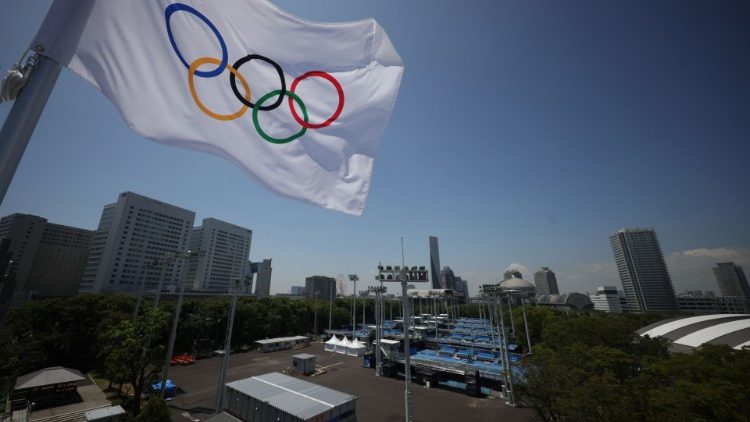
(240, 97)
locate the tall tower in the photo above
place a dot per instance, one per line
(643, 273)
(546, 282)
(435, 263)
(731, 280)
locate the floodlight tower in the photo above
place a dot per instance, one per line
(353, 278)
(403, 274)
(378, 290)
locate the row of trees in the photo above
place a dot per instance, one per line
(97, 332)
(593, 367)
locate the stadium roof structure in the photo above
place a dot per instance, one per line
(686, 334)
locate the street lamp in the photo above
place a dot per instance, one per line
(353, 278)
(403, 274)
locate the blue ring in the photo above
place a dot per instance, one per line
(224, 55)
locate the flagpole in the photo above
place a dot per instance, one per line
(23, 117)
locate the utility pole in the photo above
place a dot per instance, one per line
(227, 348)
(353, 278)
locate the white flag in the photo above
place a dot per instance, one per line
(298, 105)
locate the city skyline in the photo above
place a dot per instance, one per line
(575, 95)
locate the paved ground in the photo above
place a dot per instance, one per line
(379, 399)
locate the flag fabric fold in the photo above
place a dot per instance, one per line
(299, 106)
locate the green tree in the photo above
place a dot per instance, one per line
(156, 410)
(134, 351)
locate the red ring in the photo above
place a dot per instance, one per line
(330, 79)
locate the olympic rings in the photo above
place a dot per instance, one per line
(335, 83)
(192, 71)
(224, 53)
(263, 134)
(246, 59)
(234, 74)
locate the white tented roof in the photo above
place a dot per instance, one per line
(689, 333)
(280, 339)
(683, 322)
(333, 340)
(707, 334)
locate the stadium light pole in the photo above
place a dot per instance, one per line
(227, 347)
(402, 275)
(330, 305)
(175, 322)
(378, 290)
(353, 278)
(364, 306)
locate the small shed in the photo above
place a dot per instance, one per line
(279, 397)
(389, 346)
(105, 414)
(303, 363)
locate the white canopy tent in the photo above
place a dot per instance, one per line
(343, 346)
(331, 344)
(355, 348)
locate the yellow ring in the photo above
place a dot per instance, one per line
(191, 75)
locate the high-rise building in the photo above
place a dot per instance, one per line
(731, 280)
(48, 259)
(320, 287)
(447, 278)
(546, 282)
(297, 290)
(512, 274)
(133, 235)
(263, 280)
(462, 286)
(643, 273)
(435, 263)
(606, 299)
(224, 250)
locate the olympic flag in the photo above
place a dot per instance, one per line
(300, 106)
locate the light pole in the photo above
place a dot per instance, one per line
(227, 347)
(173, 335)
(353, 278)
(330, 305)
(402, 275)
(147, 265)
(364, 305)
(378, 290)
(315, 304)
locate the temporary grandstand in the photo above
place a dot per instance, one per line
(687, 334)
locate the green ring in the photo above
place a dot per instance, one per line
(263, 134)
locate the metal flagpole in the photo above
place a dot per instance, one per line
(32, 97)
(23, 117)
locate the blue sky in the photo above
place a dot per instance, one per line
(524, 134)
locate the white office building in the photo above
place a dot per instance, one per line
(223, 249)
(134, 237)
(606, 299)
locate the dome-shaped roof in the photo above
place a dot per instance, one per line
(514, 283)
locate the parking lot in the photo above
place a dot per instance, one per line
(379, 398)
